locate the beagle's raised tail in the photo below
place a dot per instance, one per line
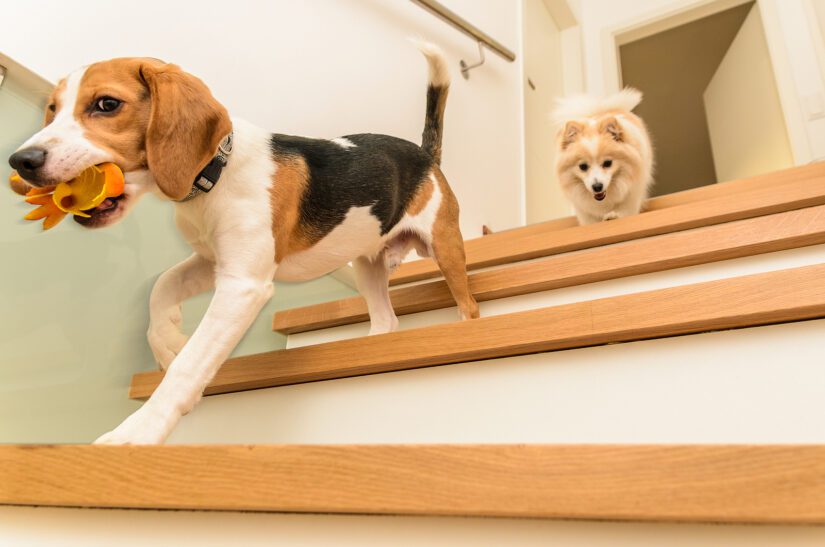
(438, 87)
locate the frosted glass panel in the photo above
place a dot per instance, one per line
(74, 305)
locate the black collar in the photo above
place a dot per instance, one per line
(209, 175)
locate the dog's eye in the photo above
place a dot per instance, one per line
(52, 107)
(584, 166)
(107, 105)
(607, 164)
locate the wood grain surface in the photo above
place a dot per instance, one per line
(738, 239)
(696, 483)
(772, 193)
(766, 298)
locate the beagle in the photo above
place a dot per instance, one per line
(254, 206)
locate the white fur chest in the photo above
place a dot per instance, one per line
(227, 223)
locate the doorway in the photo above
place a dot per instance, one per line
(711, 101)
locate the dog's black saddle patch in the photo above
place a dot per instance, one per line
(379, 171)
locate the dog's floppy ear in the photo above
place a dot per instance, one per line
(186, 125)
(611, 126)
(570, 133)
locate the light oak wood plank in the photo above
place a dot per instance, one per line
(698, 483)
(748, 237)
(766, 194)
(773, 297)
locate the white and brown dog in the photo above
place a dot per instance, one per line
(254, 206)
(605, 155)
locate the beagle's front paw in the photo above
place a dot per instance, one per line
(139, 428)
(383, 326)
(166, 342)
(612, 215)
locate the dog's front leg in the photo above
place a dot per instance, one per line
(190, 277)
(238, 300)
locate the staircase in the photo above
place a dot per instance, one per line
(662, 367)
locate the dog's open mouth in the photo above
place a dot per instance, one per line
(102, 213)
(599, 196)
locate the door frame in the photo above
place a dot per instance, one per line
(681, 12)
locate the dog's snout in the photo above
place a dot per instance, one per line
(598, 186)
(28, 161)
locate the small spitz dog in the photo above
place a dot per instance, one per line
(605, 157)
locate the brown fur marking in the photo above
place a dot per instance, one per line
(168, 121)
(288, 187)
(123, 135)
(422, 196)
(448, 248)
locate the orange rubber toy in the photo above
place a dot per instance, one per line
(88, 190)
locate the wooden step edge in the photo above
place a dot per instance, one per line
(728, 188)
(780, 484)
(774, 297)
(781, 231)
(788, 190)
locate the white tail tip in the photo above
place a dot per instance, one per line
(436, 61)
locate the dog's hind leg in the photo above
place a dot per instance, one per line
(372, 278)
(448, 252)
(190, 277)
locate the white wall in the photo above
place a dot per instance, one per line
(319, 68)
(543, 66)
(789, 38)
(745, 122)
(819, 9)
(50, 527)
(602, 394)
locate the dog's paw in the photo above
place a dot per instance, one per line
(166, 342)
(383, 327)
(139, 428)
(612, 215)
(118, 437)
(112, 437)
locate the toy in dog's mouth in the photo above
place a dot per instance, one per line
(599, 196)
(93, 197)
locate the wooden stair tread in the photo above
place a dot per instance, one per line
(692, 483)
(781, 231)
(766, 298)
(725, 202)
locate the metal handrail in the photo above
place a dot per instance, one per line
(449, 16)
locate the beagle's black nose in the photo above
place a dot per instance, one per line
(597, 186)
(28, 161)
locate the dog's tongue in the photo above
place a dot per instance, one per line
(106, 205)
(600, 196)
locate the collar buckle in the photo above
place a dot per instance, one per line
(209, 175)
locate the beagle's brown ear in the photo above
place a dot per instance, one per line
(570, 133)
(611, 127)
(186, 125)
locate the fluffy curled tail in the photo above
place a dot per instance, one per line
(586, 106)
(437, 89)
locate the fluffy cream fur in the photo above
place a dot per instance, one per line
(605, 158)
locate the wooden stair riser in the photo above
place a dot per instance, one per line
(775, 193)
(700, 483)
(774, 297)
(749, 237)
